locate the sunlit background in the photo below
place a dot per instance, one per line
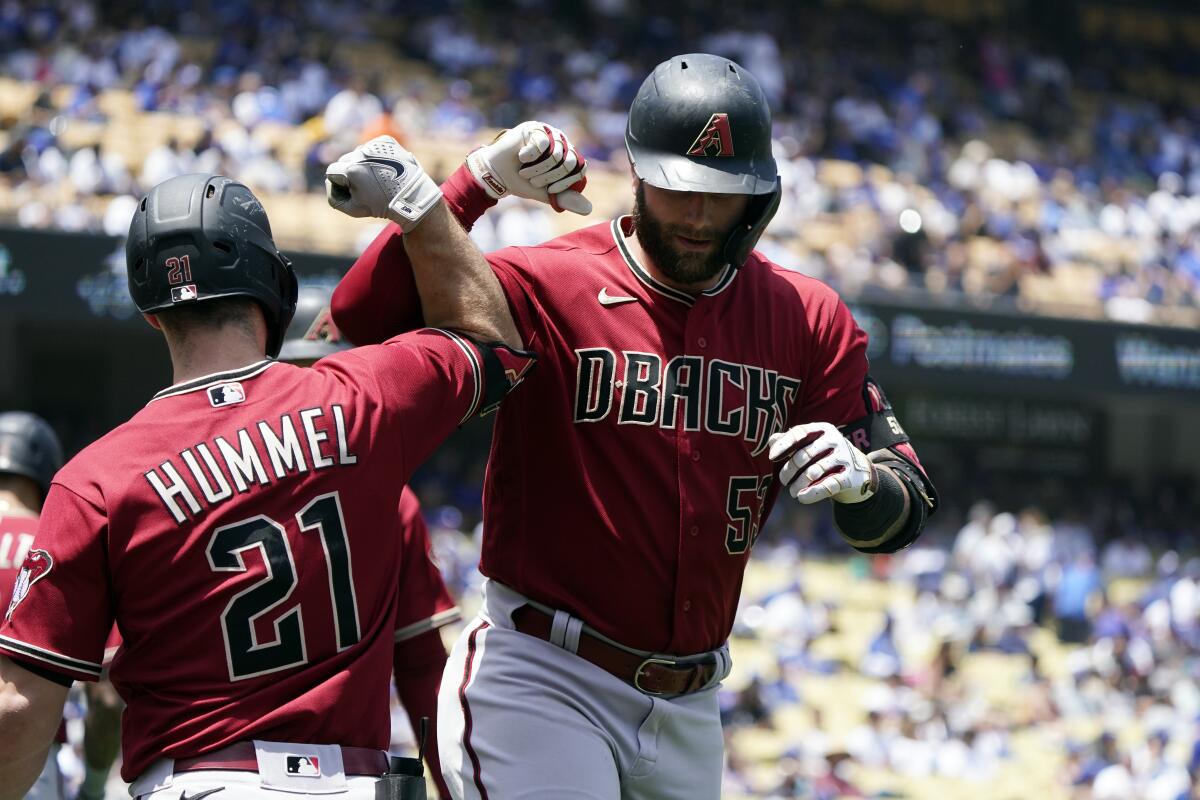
(1006, 193)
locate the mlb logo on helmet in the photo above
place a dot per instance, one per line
(305, 766)
(226, 394)
(181, 294)
(38, 564)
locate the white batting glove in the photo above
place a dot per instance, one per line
(535, 161)
(381, 179)
(825, 465)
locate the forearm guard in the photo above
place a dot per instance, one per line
(895, 516)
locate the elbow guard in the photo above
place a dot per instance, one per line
(503, 369)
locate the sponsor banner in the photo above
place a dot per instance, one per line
(74, 278)
(1024, 355)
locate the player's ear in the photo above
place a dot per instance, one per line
(152, 321)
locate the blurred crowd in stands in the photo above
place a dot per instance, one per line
(917, 155)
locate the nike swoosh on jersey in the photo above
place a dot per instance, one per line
(184, 795)
(607, 299)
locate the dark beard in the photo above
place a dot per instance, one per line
(680, 266)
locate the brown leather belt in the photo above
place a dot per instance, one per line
(240, 757)
(650, 675)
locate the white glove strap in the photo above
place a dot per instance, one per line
(413, 200)
(484, 175)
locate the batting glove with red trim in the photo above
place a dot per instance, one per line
(535, 161)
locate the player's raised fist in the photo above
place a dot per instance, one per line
(381, 179)
(535, 161)
(822, 463)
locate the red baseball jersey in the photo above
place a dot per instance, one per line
(628, 482)
(242, 531)
(424, 603)
(16, 538)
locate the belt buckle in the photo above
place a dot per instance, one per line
(637, 676)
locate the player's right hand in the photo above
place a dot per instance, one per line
(381, 179)
(535, 161)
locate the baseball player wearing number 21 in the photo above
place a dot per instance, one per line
(242, 528)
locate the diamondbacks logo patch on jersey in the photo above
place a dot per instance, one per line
(38, 564)
(304, 766)
(182, 294)
(226, 394)
(715, 139)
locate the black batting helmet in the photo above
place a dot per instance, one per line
(200, 237)
(313, 333)
(29, 447)
(700, 123)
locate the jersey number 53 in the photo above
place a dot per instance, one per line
(743, 504)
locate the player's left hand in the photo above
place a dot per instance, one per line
(535, 161)
(825, 465)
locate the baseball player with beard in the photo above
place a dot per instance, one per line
(684, 382)
(424, 604)
(241, 529)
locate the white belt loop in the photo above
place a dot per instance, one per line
(565, 630)
(558, 628)
(571, 636)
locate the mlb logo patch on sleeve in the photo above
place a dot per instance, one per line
(226, 394)
(306, 766)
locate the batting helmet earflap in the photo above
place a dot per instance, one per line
(313, 333)
(201, 237)
(29, 447)
(700, 123)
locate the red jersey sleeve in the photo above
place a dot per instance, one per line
(842, 393)
(428, 383)
(378, 297)
(62, 606)
(838, 356)
(424, 603)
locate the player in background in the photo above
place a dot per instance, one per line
(241, 528)
(424, 605)
(30, 454)
(684, 381)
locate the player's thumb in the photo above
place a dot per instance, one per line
(570, 200)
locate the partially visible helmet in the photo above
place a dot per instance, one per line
(29, 447)
(200, 237)
(700, 123)
(313, 333)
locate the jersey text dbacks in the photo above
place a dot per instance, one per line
(720, 397)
